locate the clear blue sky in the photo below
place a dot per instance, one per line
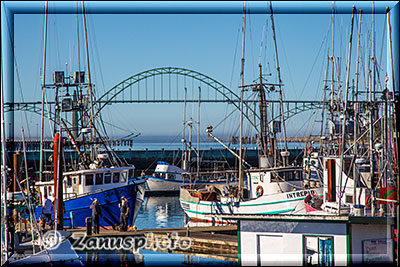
(122, 45)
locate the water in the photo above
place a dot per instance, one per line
(155, 212)
(160, 212)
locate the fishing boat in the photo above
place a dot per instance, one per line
(98, 173)
(33, 247)
(276, 187)
(167, 179)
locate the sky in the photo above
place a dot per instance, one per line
(122, 45)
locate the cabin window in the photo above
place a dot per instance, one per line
(275, 177)
(116, 177)
(349, 199)
(123, 177)
(80, 179)
(69, 180)
(130, 174)
(74, 180)
(99, 178)
(171, 176)
(89, 179)
(186, 177)
(107, 178)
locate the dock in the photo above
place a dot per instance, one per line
(218, 242)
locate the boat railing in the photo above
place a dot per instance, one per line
(68, 196)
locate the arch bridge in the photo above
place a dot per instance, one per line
(179, 85)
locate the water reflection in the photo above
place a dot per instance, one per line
(114, 258)
(160, 212)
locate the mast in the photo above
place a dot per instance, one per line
(371, 118)
(184, 155)
(93, 151)
(43, 96)
(396, 110)
(198, 136)
(324, 99)
(263, 115)
(280, 88)
(241, 182)
(333, 65)
(4, 223)
(345, 110)
(356, 109)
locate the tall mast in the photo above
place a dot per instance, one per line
(263, 114)
(333, 62)
(90, 93)
(184, 154)
(280, 85)
(43, 96)
(241, 183)
(356, 107)
(371, 118)
(345, 109)
(198, 136)
(4, 228)
(324, 98)
(396, 111)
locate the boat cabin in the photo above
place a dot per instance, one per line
(81, 182)
(166, 171)
(274, 180)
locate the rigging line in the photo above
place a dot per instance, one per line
(313, 65)
(261, 45)
(383, 41)
(251, 40)
(226, 117)
(57, 46)
(115, 126)
(233, 66)
(94, 43)
(287, 63)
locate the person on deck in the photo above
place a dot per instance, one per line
(124, 214)
(47, 209)
(96, 213)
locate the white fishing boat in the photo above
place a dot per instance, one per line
(167, 179)
(271, 191)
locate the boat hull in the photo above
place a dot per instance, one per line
(159, 185)
(214, 211)
(78, 209)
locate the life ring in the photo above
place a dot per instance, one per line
(259, 191)
(368, 201)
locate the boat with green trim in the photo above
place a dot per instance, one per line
(277, 190)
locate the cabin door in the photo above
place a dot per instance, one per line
(318, 250)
